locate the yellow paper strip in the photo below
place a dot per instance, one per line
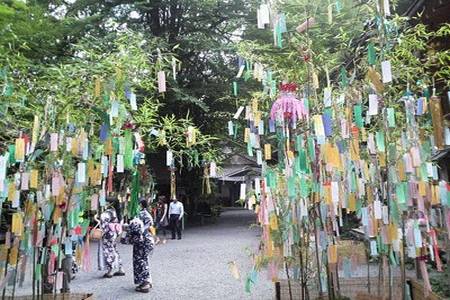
(332, 254)
(34, 175)
(17, 224)
(20, 149)
(267, 151)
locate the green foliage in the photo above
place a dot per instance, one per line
(200, 34)
(324, 44)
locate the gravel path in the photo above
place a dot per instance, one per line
(195, 267)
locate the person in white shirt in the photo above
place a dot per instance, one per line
(176, 212)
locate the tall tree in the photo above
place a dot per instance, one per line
(200, 31)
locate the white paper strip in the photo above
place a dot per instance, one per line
(133, 103)
(230, 128)
(81, 174)
(161, 81)
(169, 158)
(386, 71)
(120, 163)
(105, 165)
(261, 128)
(257, 186)
(53, 142)
(259, 157)
(174, 68)
(3, 161)
(377, 209)
(373, 105)
(260, 24)
(364, 216)
(15, 202)
(373, 248)
(385, 215)
(335, 192)
(264, 14)
(238, 113)
(387, 9)
(68, 144)
(213, 169)
(241, 71)
(25, 181)
(114, 109)
(242, 192)
(327, 97)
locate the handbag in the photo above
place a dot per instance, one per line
(96, 233)
(165, 222)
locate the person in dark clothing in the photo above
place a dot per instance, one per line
(161, 217)
(111, 231)
(143, 243)
(176, 212)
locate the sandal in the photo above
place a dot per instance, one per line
(119, 273)
(143, 288)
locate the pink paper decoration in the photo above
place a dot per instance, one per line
(287, 106)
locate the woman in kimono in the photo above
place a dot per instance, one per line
(111, 231)
(143, 243)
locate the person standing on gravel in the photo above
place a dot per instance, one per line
(161, 215)
(176, 212)
(111, 229)
(143, 244)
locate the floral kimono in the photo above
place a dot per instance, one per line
(111, 231)
(143, 244)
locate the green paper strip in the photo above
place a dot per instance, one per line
(371, 56)
(344, 78)
(12, 154)
(357, 114)
(400, 191)
(38, 272)
(291, 187)
(134, 202)
(391, 117)
(379, 136)
(304, 188)
(311, 149)
(249, 149)
(128, 155)
(279, 36)
(302, 160)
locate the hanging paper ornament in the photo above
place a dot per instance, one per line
(162, 82)
(371, 56)
(287, 107)
(310, 22)
(437, 118)
(235, 89)
(19, 150)
(133, 103)
(386, 71)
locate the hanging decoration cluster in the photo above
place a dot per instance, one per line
(56, 175)
(356, 151)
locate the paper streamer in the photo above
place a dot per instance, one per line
(162, 82)
(386, 71)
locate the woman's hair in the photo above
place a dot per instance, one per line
(143, 202)
(113, 202)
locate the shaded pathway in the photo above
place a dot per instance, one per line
(194, 268)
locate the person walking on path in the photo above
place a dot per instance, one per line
(161, 217)
(176, 212)
(143, 244)
(111, 229)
